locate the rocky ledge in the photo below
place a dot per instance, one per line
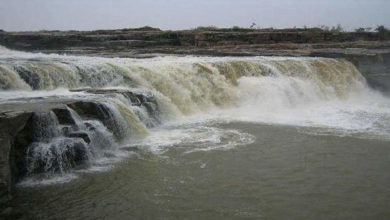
(68, 126)
(146, 42)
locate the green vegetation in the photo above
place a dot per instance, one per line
(333, 29)
(232, 29)
(253, 28)
(206, 28)
(164, 35)
(383, 32)
(144, 28)
(363, 29)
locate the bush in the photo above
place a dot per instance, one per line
(383, 32)
(363, 30)
(334, 29)
(206, 28)
(242, 29)
(337, 29)
(144, 28)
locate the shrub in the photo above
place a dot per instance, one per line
(337, 29)
(206, 28)
(363, 30)
(383, 32)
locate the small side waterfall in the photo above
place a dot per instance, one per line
(81, 132)
(51, 150)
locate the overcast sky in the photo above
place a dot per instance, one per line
(183, 14)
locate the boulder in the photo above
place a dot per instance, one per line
(97, 111)
(81, 135)
(64, 116)
(10, 124)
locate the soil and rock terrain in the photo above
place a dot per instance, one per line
(149, 41)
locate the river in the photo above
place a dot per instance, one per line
(226, 138)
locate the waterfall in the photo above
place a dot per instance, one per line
(111, 101)
(192, 84)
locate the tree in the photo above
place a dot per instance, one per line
(381, 29)
(253, 25)
(363, 29)
(383, 32)
(337, 29)
(360, 30)
(324, 28)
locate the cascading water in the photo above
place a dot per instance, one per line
(134, 101)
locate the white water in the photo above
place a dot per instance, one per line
(317, 95)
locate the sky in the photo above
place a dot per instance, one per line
(22, 15)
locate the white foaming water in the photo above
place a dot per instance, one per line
(320, 96)
(365, 114)
(290, 101)
(45, 181)
(204, 138)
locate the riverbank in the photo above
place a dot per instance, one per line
(147, 41)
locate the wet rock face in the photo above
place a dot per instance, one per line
(81, 135)
(42, 142)
(44, 136)
(49, 137)
(98, 111)
(52, 141)
(30, 77)
(64, 116)
(143, 100)
(11, 124)
(58, 156)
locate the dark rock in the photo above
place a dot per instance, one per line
(89, 126)
(40, 128)
(11, 124)
(151, 107)
(48, 124)
(22, 140)
(67, 153)
(66, 130)
(64, 116)
(82, 135)
(29, 77)
(79, 153)
(7, 212)
(145, 100)
(216, 42)
(90, 110)
(44, 126)
(98, 111)
(10, 213)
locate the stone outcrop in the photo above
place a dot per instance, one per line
(133, 38)
(11, 124)
(150, 41)
(64, 126)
